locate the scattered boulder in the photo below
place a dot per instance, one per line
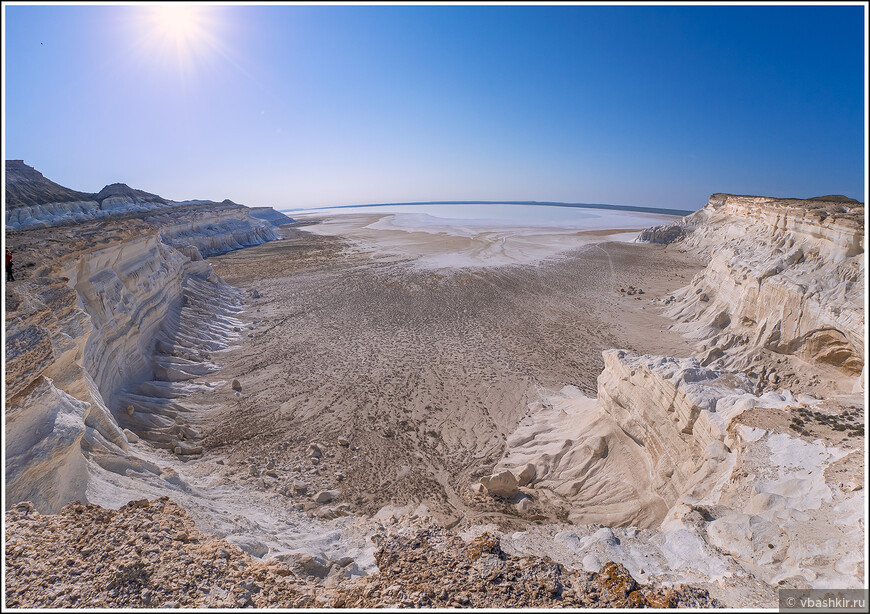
(236, 385)
(527, 475)
(502, 484)
(326, 496)
(524, 505)
(249, 544)
(343, 442)
(306, 564)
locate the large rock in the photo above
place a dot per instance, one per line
(503, 484)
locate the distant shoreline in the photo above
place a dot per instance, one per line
(674, 212)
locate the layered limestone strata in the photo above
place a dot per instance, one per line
(213, 230)
(117, 331)
(628, 456)
(32, 201)
(692, 454)
(786, 276)
(105, 324)
(715, 455)
(268, 214)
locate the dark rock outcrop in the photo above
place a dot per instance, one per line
(27, 187)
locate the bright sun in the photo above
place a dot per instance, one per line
(179, 22)
(183, 35)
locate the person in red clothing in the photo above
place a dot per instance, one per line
(9, 276)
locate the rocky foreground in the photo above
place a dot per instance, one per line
(150, 554)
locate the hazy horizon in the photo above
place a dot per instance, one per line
(299, 107)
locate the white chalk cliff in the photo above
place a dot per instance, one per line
(714, 453)
(114, 310)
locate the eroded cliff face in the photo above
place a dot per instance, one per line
(105, 323)
(785, 279)
(213, 230)
(746, 460)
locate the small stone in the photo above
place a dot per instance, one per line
(243, 599)
(130, 410)
(303, 601)
(524, 505)
(325, 496)
(527, 475)
(236, 385)
(249, 585)
(343, 442)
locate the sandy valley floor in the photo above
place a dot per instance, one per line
(424, 370)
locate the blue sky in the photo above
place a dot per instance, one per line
(302, 106)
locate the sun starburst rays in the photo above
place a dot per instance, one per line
(182, 36)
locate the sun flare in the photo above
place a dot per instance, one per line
(180, 22)
(181, 35)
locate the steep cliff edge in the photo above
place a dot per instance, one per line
(32, 201)
(747, 461)
(268, 214)
(105, 322)
(784, 287)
